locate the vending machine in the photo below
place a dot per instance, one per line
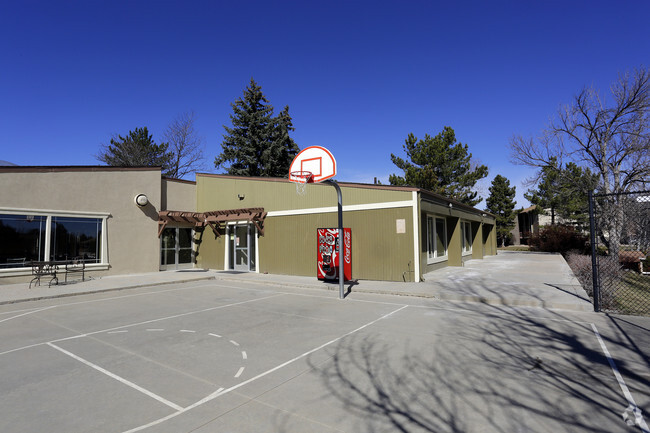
(327, 254)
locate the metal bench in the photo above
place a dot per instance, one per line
(75, 267)
(51, 269)
(44, 269)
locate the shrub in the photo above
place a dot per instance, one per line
(557, 239)
(580, 264)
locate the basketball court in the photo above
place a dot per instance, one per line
(221, 356)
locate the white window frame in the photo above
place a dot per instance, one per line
(49, 214)
(466, 236)
(432, 238)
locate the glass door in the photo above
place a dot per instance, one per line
(176, 248)
(241, 247)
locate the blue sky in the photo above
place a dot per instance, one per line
(358, 76)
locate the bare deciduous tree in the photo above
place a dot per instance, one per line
(609, 136)
(186, 145)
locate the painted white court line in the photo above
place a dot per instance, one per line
(223, 391)
(215, 335)
(145, 322)
(27, 313)
(234, 343)
(632, 408)
(239, 372)
(244, 355)
(5, 313)
(118, 378)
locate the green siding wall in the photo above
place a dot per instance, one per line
(378, 251)
(289, 244)
(216, 192)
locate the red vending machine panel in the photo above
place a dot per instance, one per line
(327, 254)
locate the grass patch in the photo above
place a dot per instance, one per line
(632, 294)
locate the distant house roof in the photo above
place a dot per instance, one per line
(528, 209)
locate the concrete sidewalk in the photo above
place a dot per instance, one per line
(510, 278)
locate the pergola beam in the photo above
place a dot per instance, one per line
(214, 219)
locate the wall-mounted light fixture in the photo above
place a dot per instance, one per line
(241, 196)
(141, 200)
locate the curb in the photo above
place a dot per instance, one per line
(112, 289)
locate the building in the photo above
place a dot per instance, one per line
(223, 222)
(61, 213)
(527, 222)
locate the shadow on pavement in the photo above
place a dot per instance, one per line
(505, 372)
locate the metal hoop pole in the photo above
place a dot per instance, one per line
(341, 236)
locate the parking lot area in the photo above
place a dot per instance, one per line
(226, 356)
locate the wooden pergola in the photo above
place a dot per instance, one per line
(216, 219)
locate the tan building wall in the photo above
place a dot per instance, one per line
(178, 194)
(131, 232)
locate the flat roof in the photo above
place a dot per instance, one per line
(55, 168)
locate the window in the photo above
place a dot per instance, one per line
(436, 238)
(22, 239)
(466, 228)
(28, 237)
(76, 238)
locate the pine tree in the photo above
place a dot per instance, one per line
(280, 152)
(257, 144)
(441, 165)
(137, 149)
(501, 203)
(563, 191)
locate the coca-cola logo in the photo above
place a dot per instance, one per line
(348, 248)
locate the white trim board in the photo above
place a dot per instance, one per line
(416, 237)
(56, 213)
(348, 208)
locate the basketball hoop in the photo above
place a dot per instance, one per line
(301, 179)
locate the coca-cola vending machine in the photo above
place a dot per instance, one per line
(327, 254)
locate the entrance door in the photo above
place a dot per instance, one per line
(242, 247)
(176, 248)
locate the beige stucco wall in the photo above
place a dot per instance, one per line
(132, 243)
(178, 195)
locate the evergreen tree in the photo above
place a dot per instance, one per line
(441, 165)
(137, 149)
(564, 191)
(501, 203)
(257, 144)
(280, 152)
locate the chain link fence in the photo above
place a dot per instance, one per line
(620, 237)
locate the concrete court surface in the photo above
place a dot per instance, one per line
(230, 356)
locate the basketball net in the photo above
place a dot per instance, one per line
(301, 179)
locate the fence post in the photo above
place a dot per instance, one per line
(594, 261)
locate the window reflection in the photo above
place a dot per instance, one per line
(22, 239)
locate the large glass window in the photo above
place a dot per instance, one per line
(76, 238)
(22, 239)
(25, 238)
(436, 238)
